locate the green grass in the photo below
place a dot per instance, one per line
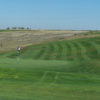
(12, 30)
(60, 70)
(97, 32)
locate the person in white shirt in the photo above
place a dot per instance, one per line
(18, 49)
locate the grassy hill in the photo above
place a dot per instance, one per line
(58, 70)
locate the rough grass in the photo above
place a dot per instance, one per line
(61, 70)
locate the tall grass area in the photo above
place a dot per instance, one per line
(58, 70)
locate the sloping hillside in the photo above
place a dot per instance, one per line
(57, 70)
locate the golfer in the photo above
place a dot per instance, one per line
(18, 49)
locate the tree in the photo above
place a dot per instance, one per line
(21, 28)
(28, 28)
(14, 28)
(8, 28)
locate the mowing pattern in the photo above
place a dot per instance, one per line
(83, 52)
(60, 50)
(80, 50)
(97, 47)
(50, 52)
(69, 51)
(40, 53)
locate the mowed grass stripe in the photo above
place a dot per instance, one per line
(60, 50)
(91, 50)
(83, 51)
(43, 77)
(50, 52)
(40, 53)
(78, 50)
(64, 52)
(98, 42)
(74, 54)
(46, 52)
(96, 46)
(55, 78)
(55, 52)
(68, 51)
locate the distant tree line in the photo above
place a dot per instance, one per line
(18, 28)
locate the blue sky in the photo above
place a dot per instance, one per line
(51, 14)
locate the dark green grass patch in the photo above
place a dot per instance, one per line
(51, 50)
(69, 50)
(60, 50)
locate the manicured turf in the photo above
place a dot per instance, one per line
(59, 70)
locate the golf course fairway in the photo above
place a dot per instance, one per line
(57, 70)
